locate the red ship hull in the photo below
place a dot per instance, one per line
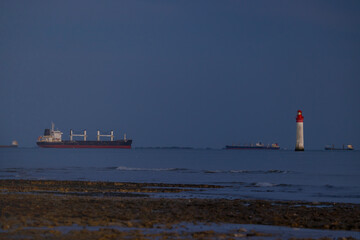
(124, 144)
(82, 146)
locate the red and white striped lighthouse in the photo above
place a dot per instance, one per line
(299, 132)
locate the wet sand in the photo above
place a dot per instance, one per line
(107, 210)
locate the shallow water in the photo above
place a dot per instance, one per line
(332, 176)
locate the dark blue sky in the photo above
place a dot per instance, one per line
(186, 73)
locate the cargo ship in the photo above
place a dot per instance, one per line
(14, 144)
(53, 139)
(257, 146)
(332, 147)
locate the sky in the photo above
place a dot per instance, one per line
(181, 73)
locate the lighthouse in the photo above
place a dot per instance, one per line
(299, 132)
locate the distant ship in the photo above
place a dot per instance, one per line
(14, 144)
(52, 139)
(332, 147)
(258, 146)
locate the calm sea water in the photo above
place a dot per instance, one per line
(283, 175)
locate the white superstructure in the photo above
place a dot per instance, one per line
(51, 135)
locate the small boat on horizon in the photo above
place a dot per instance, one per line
(257, 146)
(14, 144)
(344, 147)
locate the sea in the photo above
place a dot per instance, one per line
(314, 176)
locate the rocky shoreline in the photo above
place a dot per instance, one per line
(39, 209)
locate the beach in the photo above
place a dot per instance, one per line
(48, 209)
